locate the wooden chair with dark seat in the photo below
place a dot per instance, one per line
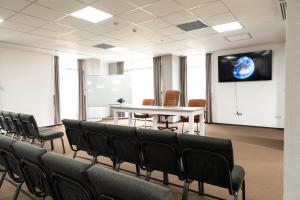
(193, 103)
(145, 116)
(171, 98)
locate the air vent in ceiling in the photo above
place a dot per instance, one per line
(283, 7)
(192, 26)
(104, 46)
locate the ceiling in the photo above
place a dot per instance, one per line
(46, 24)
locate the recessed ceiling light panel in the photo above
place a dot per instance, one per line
(91, 14)
(239, 37)
(228, 27)
(1, 20)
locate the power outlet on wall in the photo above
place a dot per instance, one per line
(238, 113)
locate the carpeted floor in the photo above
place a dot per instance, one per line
(258, 150)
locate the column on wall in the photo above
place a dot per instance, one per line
(183, 80)
(157, 76)
(56, 90)
(208, 117)
(82, 98)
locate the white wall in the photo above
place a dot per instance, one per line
(26, 84)
(260, 102)
(292, 121)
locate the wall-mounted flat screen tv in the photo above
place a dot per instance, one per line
(252, 66)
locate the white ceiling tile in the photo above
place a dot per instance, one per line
(163, 8)
(202, 32)
(81, 34)
(170, 31)
(42, 12)
(87, 1)
(16, 27)
(137, 16)
(4, 13)
(211, 9)
(219, 19)
(193, 3)
(113, 7)
(180, 36)
(97, 29)
(142, 2)
(179, 18)
(28, 20)
(66, 6)
(116, 35)
(155, 24)
(15, 5)
(73, 22)
(8, 35)
(46, 33)
(116, 23)
(58, 27)
(100, 39)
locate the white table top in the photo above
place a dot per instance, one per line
(155, 108)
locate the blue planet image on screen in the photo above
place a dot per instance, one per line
(243, 67)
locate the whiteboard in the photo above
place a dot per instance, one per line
(105, 90)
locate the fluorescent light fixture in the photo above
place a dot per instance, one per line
(91, 14)
(117, 49)
(228, 27)
(1, 20)
(234, 38)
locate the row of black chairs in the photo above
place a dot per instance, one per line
(24, 126)
(190, 157)
(62, 178)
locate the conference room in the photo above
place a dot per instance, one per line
(149, 99)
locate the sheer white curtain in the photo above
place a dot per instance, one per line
(196, 77)
(141, 72)
(68, 78)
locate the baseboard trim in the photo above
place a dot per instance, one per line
(245, 125)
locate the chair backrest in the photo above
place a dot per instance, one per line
(97, 138)
(197, 103)
(29, 125)
(115, 186)
(125, 143)
(75, 134)
(5, 123)
(160, 150)
(148, 102)
(9, 159)
(9, 120)
(17, 122)
(171, 98)
(207, 159)
(36, 176)
(68, 176)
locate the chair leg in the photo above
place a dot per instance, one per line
(235, 196)
(117, 167)
(2, 178)
(74, 155)
(166, 178)
(201, 188)
(52, 145)
(148, 175)
(43, 144)
(18, 189)
(244, 190)
(138, 172)
(134, 122)
(185, 190)
(63, 145)
(145, 123)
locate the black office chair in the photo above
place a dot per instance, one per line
(210, 160)
(77, 139)
(160, 152)
(97, 138)
(125, 146)
(36, 176)
(17, 125)
(32, 131)
(11, 163)
(11, 125)
(4, 124)
(68, 177)
(110, 185)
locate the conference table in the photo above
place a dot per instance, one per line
(155, 111)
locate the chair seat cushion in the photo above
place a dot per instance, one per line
(44, 128)
(238, 174)
(186, 119)
(51, 134)
(142, 115)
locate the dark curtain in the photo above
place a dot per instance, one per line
(208, 118)
(157, 70)
(183, 80)
(120, 67)
(82, 100)
(56, 91)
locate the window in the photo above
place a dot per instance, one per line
(196, 77)
(68, 88)
(141, 79)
